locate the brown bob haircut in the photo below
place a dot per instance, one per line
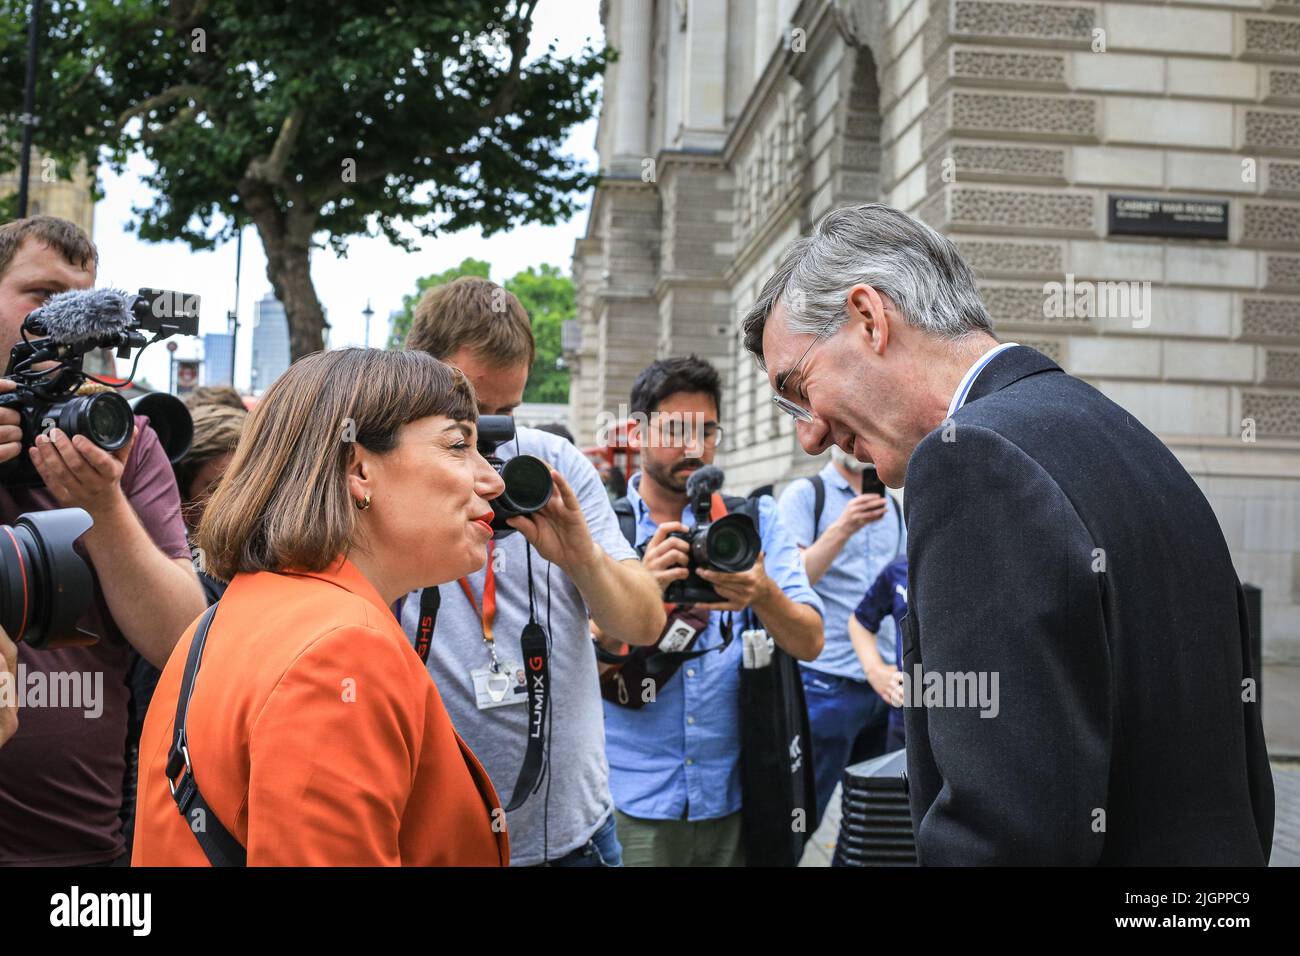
(473, 313)
(283, 502)
(66, 238)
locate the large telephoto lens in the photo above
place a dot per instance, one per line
(528, 485)
(45, 586)
(105, 418)
(731, 544)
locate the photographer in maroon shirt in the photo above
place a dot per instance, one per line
(61, 772)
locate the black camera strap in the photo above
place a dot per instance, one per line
(534, 646)
(218, 844)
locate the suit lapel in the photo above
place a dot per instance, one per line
(1008, 367)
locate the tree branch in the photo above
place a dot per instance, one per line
(180, 91)
(271, 169)
(505, 98)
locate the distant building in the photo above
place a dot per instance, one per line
(270, 342)
(218, 364)
(728, 129)
(48, 195)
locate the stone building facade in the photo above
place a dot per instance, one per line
(48, 195)
(730, 126)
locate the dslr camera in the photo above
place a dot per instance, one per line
(527, 478)
(730, 544)
(47, 365)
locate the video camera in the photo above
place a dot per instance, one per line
(730, 544)
(47, 365)
(527, 478)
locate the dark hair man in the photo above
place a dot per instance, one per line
(483, 330)
(63, 770)
(1058, 553)
(675, 762)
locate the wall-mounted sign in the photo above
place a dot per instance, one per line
(1168, 217)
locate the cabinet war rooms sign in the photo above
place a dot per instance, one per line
(1167, 217)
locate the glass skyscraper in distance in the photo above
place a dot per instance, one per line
(218, 367)
(270, 342)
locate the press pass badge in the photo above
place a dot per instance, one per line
(678, 637)
(499, 688)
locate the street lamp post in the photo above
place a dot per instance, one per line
(171, 367)
(29, 111)
(367, 312)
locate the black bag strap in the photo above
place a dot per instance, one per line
(218, 844)
(626, 519)
(819, 502)
(902, 523)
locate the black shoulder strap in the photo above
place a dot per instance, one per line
(217, 843)
(626, 519)
(902, 523)
(819, 502)
(737, 503)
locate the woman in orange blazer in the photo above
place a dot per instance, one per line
(314, 732)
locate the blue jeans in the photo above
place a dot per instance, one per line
(849, 723)
(603, 849)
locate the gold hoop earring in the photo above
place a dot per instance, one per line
(363, 503)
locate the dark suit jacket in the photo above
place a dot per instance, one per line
(1056, 542)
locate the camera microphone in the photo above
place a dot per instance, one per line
(82, 315)
(704, 482)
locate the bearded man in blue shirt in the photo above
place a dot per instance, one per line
(674, 761)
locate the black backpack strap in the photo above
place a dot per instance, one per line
(626, 519)
(902, 523)
(217, 843)
(819, 502)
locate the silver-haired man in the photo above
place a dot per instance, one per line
(1077, 645)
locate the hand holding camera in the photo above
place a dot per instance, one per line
(11, 431)
(558, 529)
(729, 545)
(668, 556)
(79, 473)
(739, 589)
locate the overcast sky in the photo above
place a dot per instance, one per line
(373, 269)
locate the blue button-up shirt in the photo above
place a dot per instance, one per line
(851, 572)
(679, 757)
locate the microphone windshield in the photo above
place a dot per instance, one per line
(83, 315)
(704, 481)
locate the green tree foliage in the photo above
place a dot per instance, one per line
(545, 293)
(314, 122)
(548, 296)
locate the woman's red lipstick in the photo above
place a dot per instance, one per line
(485, 519)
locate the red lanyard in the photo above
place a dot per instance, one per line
(489, 597)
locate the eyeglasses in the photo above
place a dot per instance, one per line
(676, 433)
(793, 409)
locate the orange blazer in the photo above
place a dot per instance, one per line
(317, 738)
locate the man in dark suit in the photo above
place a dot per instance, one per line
(1081, 684)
